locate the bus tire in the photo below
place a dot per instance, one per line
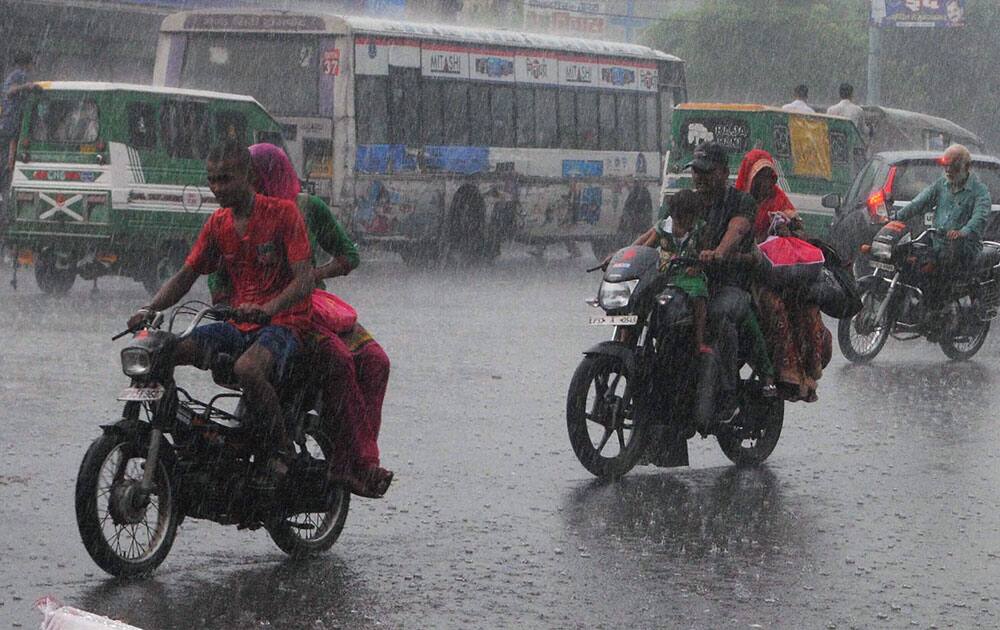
(464, 232)
(169, 262)
(54, 274)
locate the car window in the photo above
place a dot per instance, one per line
(913, 177)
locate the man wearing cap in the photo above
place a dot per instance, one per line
(728, 220)
(960, 203)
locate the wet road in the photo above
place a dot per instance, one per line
(878, 509)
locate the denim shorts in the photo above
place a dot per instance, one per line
(223, 337)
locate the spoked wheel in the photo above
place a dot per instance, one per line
(861, 337)
(601, 417)
(308, 533)
(755, 431)
(965, 346)
(124, 531)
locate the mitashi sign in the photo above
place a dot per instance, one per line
(926, 13)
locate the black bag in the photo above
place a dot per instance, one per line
(835, 291)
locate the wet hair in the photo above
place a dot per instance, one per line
(687, 204)
(846, 90)
(801, 91)
(231, 150)
(22, 58)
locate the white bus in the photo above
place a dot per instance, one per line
(433, 138)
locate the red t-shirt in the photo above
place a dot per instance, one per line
(258, 263)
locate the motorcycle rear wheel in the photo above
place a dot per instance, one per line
(600, 395)
(755, 431)
(858, 346)
(123, 538)
(307, 534)
(958, 350)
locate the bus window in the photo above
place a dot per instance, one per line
(230, 126)
(280, 71)
(65, 121)
(431, 120)
(647, 122)
(317, 159)
(141, 121)
(525, 107)
(586, 119)
(481, 126)
(184, 129)
(372, 108)
(627, 119)
(404, 106)
(456, 123)
(567, 119)
(546, 126)
(502, 109)
(606, 116)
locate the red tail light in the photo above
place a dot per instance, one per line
(100, 146)
(879, 200)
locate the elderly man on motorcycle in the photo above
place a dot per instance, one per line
(956, 206)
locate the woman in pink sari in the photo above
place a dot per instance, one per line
(357, 370)
(801, 345)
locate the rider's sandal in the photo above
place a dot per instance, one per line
(274, 472)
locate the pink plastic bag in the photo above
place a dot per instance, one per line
(330, 314)
(793, 261)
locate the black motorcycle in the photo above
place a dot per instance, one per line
(894, 303)
(171, 456)
(639, 397)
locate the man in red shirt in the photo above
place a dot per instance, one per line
(262, 245)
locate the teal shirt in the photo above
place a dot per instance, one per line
(965, 210)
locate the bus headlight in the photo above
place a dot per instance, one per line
(136, 362)
(613, 295)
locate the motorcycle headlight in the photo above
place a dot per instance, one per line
(615, 294)
(136, 362)
(881, 251)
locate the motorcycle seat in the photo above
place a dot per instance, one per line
(987, 258)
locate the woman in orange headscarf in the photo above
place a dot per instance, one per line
(800, 343)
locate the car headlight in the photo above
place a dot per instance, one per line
(881, 251)
(614, 295)
(136, 362)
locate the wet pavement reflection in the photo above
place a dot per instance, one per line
(878, 509)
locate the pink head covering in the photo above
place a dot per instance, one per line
(276, 177)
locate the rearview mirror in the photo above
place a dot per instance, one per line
(831, 200)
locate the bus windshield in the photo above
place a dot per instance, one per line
(280, 70)
(65, 121)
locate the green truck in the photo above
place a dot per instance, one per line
(110, 178)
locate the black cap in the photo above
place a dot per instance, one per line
(708, 156)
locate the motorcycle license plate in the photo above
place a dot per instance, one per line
(142, 394)
(883, 266)
(615, 320)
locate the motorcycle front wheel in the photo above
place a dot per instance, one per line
(755, 430)
(124, 533)
(861, 338)
(601, 417)
(964, 347)
(308, 533)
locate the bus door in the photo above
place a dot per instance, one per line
(309, 142)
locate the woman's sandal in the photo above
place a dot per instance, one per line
(371, 483)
